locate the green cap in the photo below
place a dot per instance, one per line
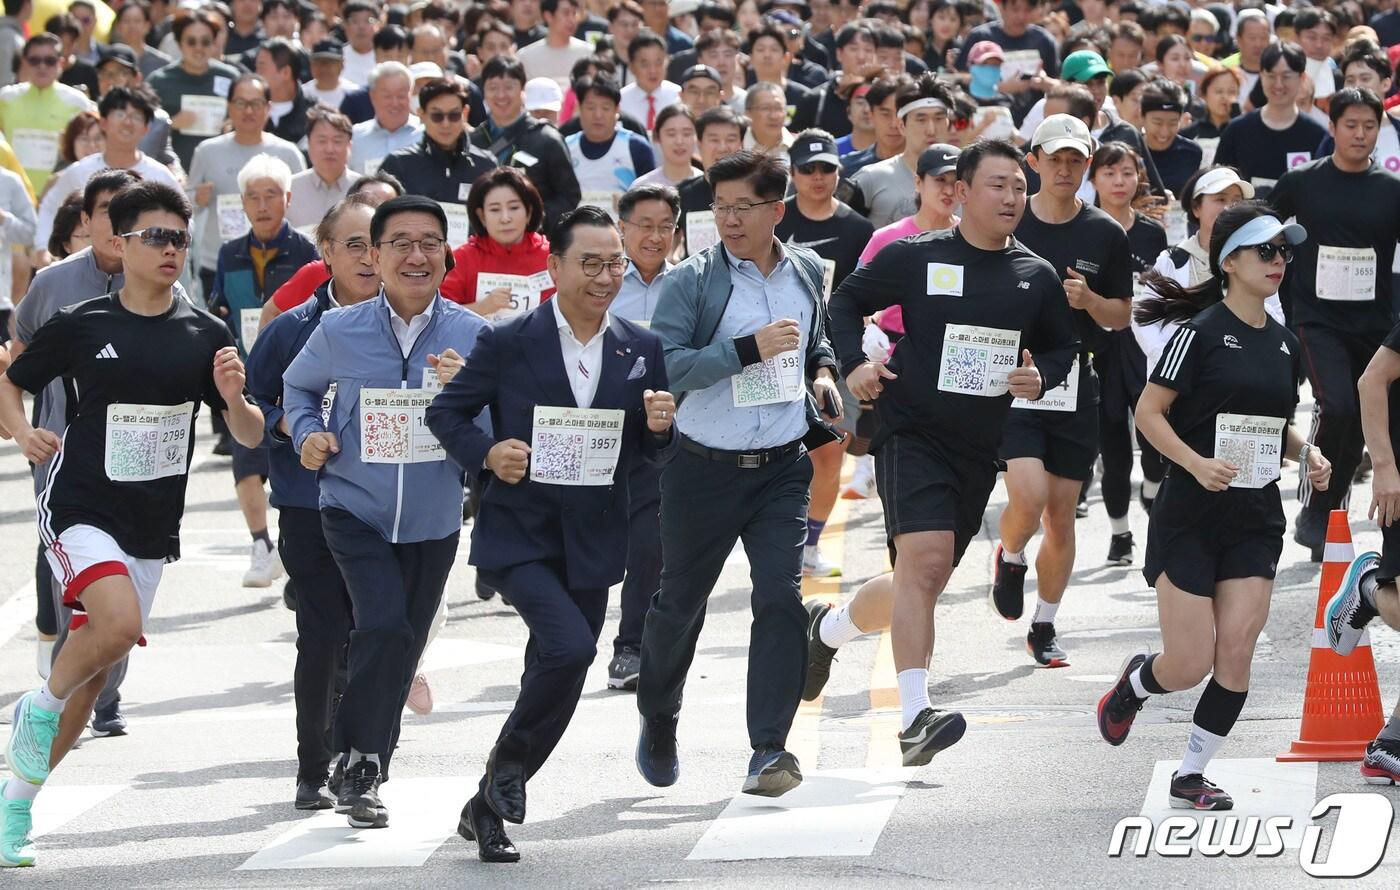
(1083, 66)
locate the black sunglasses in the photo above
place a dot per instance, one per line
(815, 167)
(1268, 250)
(438, 117)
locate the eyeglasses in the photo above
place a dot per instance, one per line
(359, 248)
(249, 104)
(1204, 38)
(41, 61)
(593, 266)
(438, 117)
(738, 209)
(404, 246)
(665, 230)
(196, 42)
(161, 238)
(1268, 250)
(816, 167)
(126, 116)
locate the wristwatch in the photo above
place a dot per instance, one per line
(1303, 452)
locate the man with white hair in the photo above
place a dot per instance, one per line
(393, 126)
(214, 168)
(250, 269)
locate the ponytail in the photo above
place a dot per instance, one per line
(1171, 302)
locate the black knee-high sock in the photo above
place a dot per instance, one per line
(1215, 716)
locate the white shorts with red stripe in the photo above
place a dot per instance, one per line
(83, 554)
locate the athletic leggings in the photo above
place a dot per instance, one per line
(1116, 448)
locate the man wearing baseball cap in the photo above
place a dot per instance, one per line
(1050, 444)
(701, 88)
(327, 86)
(814, 218)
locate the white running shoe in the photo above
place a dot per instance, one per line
(862, 484)
(264, 566)
(44, 657)
(815, 566)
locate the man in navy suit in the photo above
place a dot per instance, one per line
(577, 397)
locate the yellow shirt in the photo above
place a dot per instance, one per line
(10, 161)
(33, 121)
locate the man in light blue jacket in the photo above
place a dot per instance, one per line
(391, 497)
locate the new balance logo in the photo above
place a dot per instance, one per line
(108, 351)
(1023, 285)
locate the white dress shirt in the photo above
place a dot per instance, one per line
(634, 99)
(406, 332)
(583, 362)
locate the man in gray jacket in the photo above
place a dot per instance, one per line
(743, 328)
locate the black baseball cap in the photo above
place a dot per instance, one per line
(695, 71)
(329, 49)
(938, 159)
(814, 151)
(117, 52)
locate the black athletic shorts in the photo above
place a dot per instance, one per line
(249, 462)
(925, 487)
(1067, 442)
(1390, 553)
(1200, 538)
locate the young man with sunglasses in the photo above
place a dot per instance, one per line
(552, 531)
(444, 163)
(141, 360)
(391, 497)
(815, 219)
(34, 114)
(1338, 293)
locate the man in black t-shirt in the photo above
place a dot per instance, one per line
(136, 364)
(989, 306)
(1338, 293)
(816, 219)
(1050, 445)
(1265, 144)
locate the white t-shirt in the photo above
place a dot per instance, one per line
(542, 60)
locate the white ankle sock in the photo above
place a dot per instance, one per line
(356, 756)
(837, 629)
(18, 790)
(1118, 525)
(1044, 611)
(913, 695)
(1135, 680)
(1200, 748)
(1019, 557)
(45, 699)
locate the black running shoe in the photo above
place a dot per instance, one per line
(1196, 792)
(1120, 549)
(1041, 644)
(362, 784)
(625, 669)
(931, 732)
(1382, 763)
(819, 654)
(773, 772)
(1120, 706)
(1008, 595)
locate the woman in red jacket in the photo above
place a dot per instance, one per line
(501, 270)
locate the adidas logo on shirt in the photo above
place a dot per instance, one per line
(1283, 347)
(108, 351)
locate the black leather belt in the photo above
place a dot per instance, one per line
(744, 460)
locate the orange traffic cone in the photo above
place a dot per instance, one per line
(1342, 707)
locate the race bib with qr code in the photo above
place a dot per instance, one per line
(976, 360)
(575, 446)
(248, 326)
(36, 149)
(1253, 444)
(524, 290)
(458, 223)
(770, 382)
(1064, 397)
(233, 221)
(1346, 274)
(700, 231)
(146, 442)
(393, 428)
(431, 383)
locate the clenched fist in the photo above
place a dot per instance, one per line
(661, 410)
(317, 449)
(508, 459)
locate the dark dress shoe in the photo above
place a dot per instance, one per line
(656, 751)
(479, 824)
(505, 788)
(313, 796)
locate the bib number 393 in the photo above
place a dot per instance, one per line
(145, 442)
(772, 381)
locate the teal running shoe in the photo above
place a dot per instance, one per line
(31, 740)
(16, 849)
